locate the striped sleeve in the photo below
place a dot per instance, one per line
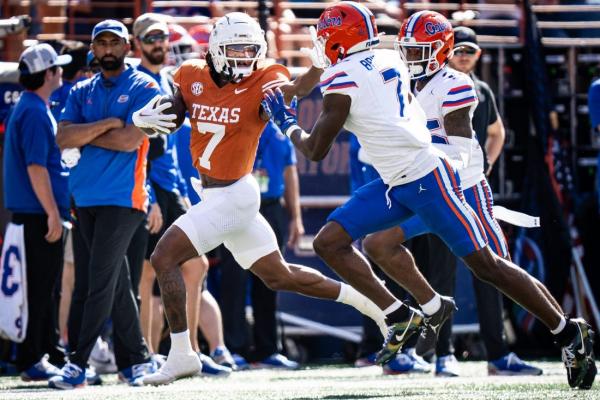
(459, 95)
(275, 76)
(338, 82)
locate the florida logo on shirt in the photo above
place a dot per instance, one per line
(123, 98)
(197, 88)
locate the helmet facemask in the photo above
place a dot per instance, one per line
(319, 43)
(237, 60)
(420, 57)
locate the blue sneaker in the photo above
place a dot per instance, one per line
(447, 366)
(92, 377)
(367, 361)
(211, 368)
(40, 371)
(240, 362)
(400, 364)
(134, 375)
(223, 357)
(511, 364)
(405, 363)
(277, 361)
(70, 377)
(421, 366)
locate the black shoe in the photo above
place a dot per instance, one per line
(432, 325)
(588, 379)
(578, 356)
(398, 334)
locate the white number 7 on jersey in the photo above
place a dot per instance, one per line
(389, 75)
(218, 132)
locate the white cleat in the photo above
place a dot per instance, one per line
(178, 365)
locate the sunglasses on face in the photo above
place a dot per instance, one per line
(151, 39)
(465, 52)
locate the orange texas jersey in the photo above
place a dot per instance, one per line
(226, 124)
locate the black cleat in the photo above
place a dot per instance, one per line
(398, 334)
(432, 325)
(588, 379)
(578, 356)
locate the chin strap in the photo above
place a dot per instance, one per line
(229, 76)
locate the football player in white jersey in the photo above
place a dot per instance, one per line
(449, 99)
(367, 92)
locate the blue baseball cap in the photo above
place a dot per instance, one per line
(112, 26)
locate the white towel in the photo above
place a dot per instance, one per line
(13, 285)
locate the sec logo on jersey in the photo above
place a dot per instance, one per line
(197, 88)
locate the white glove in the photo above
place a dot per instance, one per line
(151, 117)
(70, 157)
(317, 53)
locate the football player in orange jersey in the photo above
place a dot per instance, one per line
(223, 97)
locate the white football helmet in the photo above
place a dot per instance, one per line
(239, 32)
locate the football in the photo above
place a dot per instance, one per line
(177, 107)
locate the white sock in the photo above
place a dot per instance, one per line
(393, 307)
(560, 327)
(350, 296)
(180, 342)
(432, 306)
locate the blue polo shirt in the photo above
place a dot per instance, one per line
(106, 177)
(165, 169)
(184, 159)
(59, 97)
(274, 154)
(30, 139)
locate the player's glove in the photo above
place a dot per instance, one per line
(317, 53)
(284, 116)
(151, 117)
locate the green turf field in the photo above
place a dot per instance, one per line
(325, 382)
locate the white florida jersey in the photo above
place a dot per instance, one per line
(450, 90)
(389, 127)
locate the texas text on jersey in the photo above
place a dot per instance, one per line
(221, 146)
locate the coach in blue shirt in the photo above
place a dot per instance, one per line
(108, 186)
(35, 190)
(277, 176)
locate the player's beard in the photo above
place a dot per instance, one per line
(155, 57)
(111, 63)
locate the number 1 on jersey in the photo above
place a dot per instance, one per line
(218, 132)
(389, 75)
